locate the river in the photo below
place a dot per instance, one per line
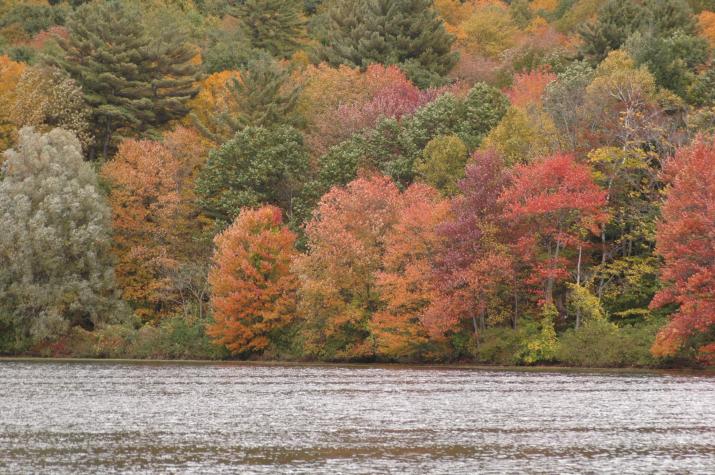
(101, 417)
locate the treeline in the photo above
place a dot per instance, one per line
(523, 182)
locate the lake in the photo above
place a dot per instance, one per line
(102, 417)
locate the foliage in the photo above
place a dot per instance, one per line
(253, 289)
(685, 241)
(442, 165)
(130, 79)
(10, 74)
(258, 166)
(276, 26)
(338, 289)
(55, 265)
(46, 98)
(407, 33)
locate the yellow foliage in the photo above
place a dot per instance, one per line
(489, 31)
(214, 99)
(523, 135)
(543, 5)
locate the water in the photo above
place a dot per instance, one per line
(58, 417)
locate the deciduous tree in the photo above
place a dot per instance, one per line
(253, 292)
(685, 240)
(55, 262)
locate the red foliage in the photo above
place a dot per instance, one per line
(686, 240)
(471, 264)
(550, 203)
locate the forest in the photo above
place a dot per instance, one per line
(518, 182)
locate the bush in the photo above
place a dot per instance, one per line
(600, 343)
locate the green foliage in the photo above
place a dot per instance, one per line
(132, 78)
(55, 265)
(258, 166)
(175, 337)
(34, 18)
(617, 20)
(673, 60)
(404, 32)
(442, 164)
(276, 26)
(542, 347)
(600, 343)
(583, 304)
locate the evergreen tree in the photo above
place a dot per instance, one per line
(617, 20)
(404, 32)
(130, 80)
(55, 264)
(276, 26)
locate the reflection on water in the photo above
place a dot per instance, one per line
(102, 417)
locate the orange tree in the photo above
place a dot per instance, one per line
(253, 290)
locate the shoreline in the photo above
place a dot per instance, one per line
(710, 371)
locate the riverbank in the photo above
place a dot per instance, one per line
(709, 371)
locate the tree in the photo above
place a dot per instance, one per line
(617, 20)
(55, 262)
(551, 202)
(253, 292)
(685, 238)
(258, 166)
(528, 88)
(10, 74)
(338, 289)
(489, 31)
(46, 98)
(443, 163)
(130, 80)
(215, 101)
(407, 33)
(154, 218)
(276, 26)
(473, 266)
(406, 282)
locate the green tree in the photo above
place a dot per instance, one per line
(276, 26)
(131, 79)
(55, 265)
(258, 166)
(404, 32)
(442, 165)
(617, 20)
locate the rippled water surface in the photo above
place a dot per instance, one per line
(72, 417)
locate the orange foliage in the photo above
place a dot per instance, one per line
(686, 240)
(528, 88)
(338, 275)
(153, 214)
(406, 284)
(706, 22)
(54, 33)
(213, 100)
(253, 289)
(10, 73)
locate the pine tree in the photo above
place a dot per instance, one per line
(617, 19)
(55, 261)
(276, 26)
(404, 32)
(130, 80)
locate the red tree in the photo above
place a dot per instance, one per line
(473, 263)
(686, 240)
(253, 290)
(550, 202)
